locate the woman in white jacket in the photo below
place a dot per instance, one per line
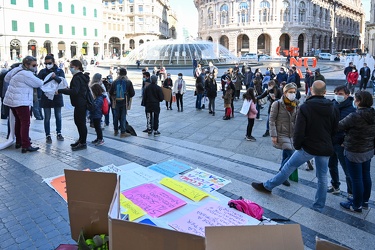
(179, 88)
(19, 97)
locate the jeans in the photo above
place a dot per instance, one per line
(211, 104)
(338, 156)
(98, 129)
(198, 102)
(297, 159)
(250, 125)
(287, 153)
(361, 181)
(106, 117)
(47, 118)
(37, 111)
(373, 87)
(22, 126)
(152, 121)
(80, 122)
(257, 106)
(120, 115)
(351, 88)
(268, 122)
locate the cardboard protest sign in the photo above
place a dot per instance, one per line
(59, 185)
(131, 209)
(204, 180)
(170, 168)
(186, 190)
(212, 214)
(153, 199)
(108, 169)
(167, 94)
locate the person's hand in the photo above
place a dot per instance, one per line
(56, 92)
(274, 139)
(53, 75)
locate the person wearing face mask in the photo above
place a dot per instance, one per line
(282, 120)
(211, 89)
(56, 103)
(343, 102)
(19, 97)
(352, 79)
(168, 83)
(359, 141)
(79, 85)
(228, 97)
(179, 89)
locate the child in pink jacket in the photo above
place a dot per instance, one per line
(251, 114)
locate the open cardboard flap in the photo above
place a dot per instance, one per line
(322, 244)
(89, 198)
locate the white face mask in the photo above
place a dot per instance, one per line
(180, 77)
(291, 96)
(339, 98)
(34, 69)
(49, 66)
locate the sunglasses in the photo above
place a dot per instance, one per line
(48, 63)
(34, 65)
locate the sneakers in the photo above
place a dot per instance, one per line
(80, 146)
(309, 166)
(267, 133)
(95, 141)
(59, 137)
(333, 190)
(260, 187)
(286, 183)
(99, 142)
(125, 135)
(74, 144)
(348, 205)
(115, 133)
(149, 132)
(250, 138)
(258, 119)
(48, 139)
(145, 131)
(156, 133)
(364, 204)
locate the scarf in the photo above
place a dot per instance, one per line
(290, 105)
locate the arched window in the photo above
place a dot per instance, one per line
(302, 12)
(224, 14)
(242, 14)
(95, 13)
(264, 11)
(72, 8)
(210, 16)
(84, 11)
(59, 6)
(286, 12)
(264, 4)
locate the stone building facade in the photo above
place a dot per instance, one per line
(370, 31)
(260, 26)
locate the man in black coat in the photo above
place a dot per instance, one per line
(152, 97)
(56, 103)
(316, 123)
(365, 73)
(348, 69)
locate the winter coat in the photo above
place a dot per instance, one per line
(199, 84)
(97, 112)
(248, 79)
(365, 72)
(168, 83)
(228, 97)
(317, 122)
(275, 91)
(152, 97)
(129, 92)
(281, 77)
(353, 77)
(211, 88)
(291, 78)
(319, 78)
(359, 130)
(77, 91)
(175, 87)
(282, 124)
(237, 82)
(252, 111)
(345, 108)
(21, 87)
(57, 101)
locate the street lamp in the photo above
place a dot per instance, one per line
(334, 27)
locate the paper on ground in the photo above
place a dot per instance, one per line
(137, 176)
(204, 180)
(186, 190)
(170, 168)
(130, 208)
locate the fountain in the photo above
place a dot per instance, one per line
(172, 52)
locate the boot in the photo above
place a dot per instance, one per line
(267, 133)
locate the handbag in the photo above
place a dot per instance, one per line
(245, 107)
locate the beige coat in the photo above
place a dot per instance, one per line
(282, 124)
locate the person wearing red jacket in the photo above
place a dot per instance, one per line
(352, 79)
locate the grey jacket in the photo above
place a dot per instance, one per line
(282, 124)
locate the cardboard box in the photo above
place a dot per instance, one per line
(94, 206)
(167, 94)
(322, 244)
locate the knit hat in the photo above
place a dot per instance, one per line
(317, 70)
(289, 86)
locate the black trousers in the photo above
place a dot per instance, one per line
(179, 100)
(250, 125)
(152, 121)
(363, 84)
(80, 122)
(98, 129)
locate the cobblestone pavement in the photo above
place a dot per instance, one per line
(33, 216)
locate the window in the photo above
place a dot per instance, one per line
(224, 14)
(140, 8)
(31, 3)
(46, 4)
(84, 11)
(61, 30)
(72, 8)
(59, 7)
(32, 28)
(13, 2)
(95, 13)
(96, 32)
(14, 25)
(131, 9)
(84, 31)
(73, 30)
(46, 27)
(301, 12)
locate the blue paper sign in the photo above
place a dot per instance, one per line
(170, 168)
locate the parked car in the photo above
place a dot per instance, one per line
(249, 56)
(264, 57)
(325, 56)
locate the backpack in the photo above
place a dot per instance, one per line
(248, 207)
(90, 106)
(105, 106)
(120, 90)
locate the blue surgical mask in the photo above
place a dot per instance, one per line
(355, 106)
(339, 98)
(73, 71)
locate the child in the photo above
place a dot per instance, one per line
(252, 113)
(228, 95)
(97, 114)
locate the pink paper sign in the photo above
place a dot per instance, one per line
(212, 214)
(153, 199)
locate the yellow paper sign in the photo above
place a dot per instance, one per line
(132, 210)
(190, 192)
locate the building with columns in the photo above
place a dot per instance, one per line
(370, 31)
(38, 27)
(260, 26)
(130, 23)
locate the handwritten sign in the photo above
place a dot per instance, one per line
(204, 180)
(170, 168)
(131, 209)
(108, 169)
(190, 192)
(153, 199)
(212, 214)
(59, 184)
(137, 176)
